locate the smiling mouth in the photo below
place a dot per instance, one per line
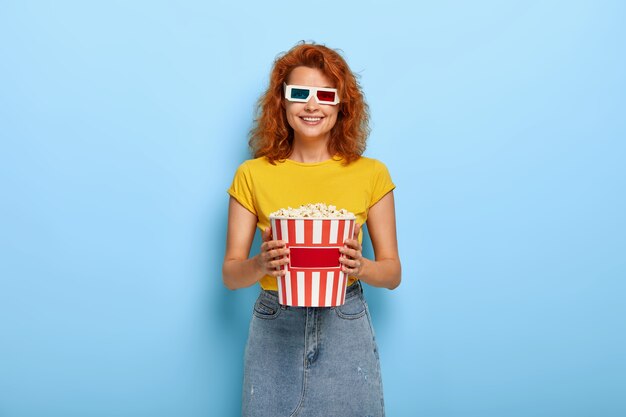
(311, 120)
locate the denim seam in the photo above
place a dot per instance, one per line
(268, 316)
(349, 316)
(377, 355)
(304, 372)
(352, 316)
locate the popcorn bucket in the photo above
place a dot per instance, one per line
(313, 276)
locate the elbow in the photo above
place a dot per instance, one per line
(226, 279)
(395, 283)
(396, 278)
(228, 284)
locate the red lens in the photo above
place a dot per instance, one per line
(326, 96)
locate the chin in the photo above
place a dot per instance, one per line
(312, 134)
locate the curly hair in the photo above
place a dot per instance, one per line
(272, 136)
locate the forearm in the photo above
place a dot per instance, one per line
(238, 273)
(382, 273)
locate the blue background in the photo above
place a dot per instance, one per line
(502, 124)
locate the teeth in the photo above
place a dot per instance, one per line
(312, 119)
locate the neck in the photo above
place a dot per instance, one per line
(310, 150)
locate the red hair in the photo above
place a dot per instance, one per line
(272, 136)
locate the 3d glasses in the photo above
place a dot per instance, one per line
(302, 94)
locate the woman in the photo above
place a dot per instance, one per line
(308, 139)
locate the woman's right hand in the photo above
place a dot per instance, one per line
(274, 254)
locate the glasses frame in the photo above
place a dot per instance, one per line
(312, 90)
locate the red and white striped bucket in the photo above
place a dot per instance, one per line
(313, 276)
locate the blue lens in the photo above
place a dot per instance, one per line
(299, 93)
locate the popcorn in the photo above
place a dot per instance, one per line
(316, 211)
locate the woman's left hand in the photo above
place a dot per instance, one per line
(351, 259)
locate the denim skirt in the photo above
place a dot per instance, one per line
(312, 361)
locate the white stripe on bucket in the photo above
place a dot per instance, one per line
(334, 225)
(299, 231)
(280, 290)
(288, 288)
(317, 231)
(284, 231)
(340, 288)
(315, 289)
(329, 288)
(346, 230)
(300, 278)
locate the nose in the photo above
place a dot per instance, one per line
(311, 105)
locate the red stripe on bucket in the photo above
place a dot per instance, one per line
(333, 298)
(326, 233)
(282, 292)
(322, 295)
(340, 232)
(291, 227)
(294, 288)
(277, 232)
(308, 232)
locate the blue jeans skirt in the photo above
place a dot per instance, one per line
(312, 361)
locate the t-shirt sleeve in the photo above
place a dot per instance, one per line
(241, 188)
(381, 182)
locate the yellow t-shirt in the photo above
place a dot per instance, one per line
(263, 188)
